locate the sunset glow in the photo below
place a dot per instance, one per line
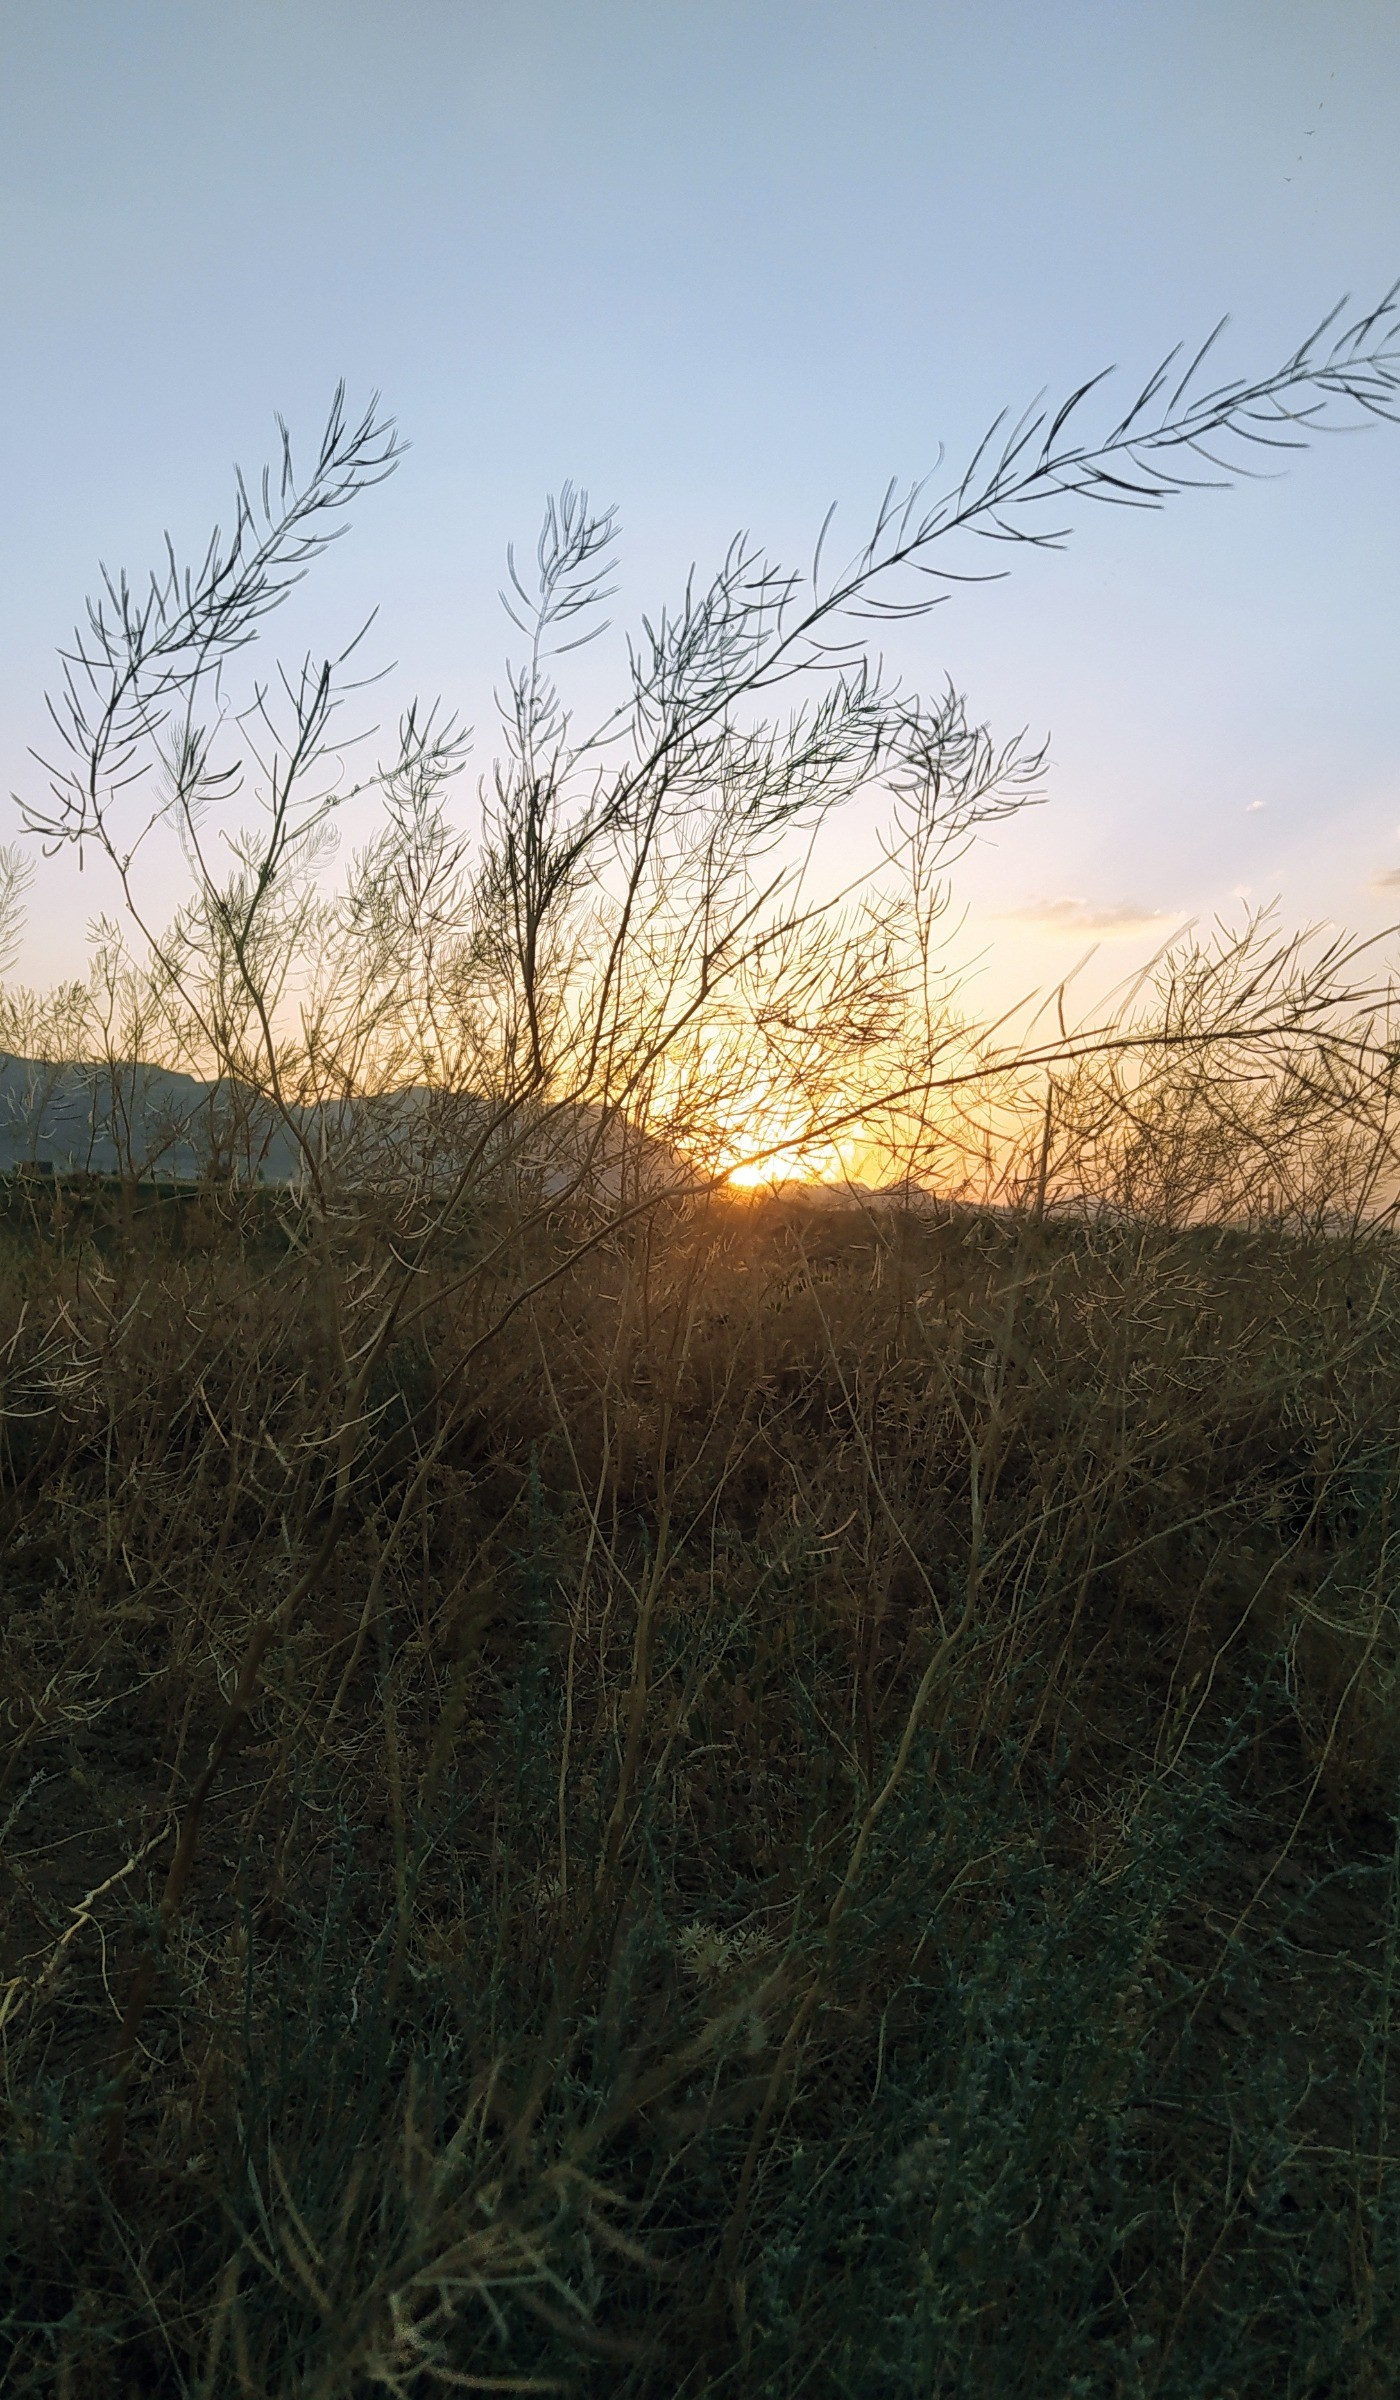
(772, 1150)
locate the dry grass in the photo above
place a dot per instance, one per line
(646, 1795)
(826, 1827)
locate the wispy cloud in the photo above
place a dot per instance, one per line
(1252, 805)
(1388, 882)
(1085, 916)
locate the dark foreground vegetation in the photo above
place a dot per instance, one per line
(835, 1835)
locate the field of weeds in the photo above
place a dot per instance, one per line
(615, 1788)
(832, 1832)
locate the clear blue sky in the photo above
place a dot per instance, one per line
(725, 261)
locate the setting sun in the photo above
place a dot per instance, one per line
(772, 1146)
(819, 1165)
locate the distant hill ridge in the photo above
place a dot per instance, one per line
(123, 1117)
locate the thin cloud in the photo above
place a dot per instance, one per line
(1085, 916)
(1252, 805)
(1388, 882)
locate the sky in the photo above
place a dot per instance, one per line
(724, 263)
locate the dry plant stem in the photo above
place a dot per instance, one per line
(928, 1684)
(1309, 1797)
(594, 1541)
(413, 1493)
(19, 1987)
(817, 1984)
